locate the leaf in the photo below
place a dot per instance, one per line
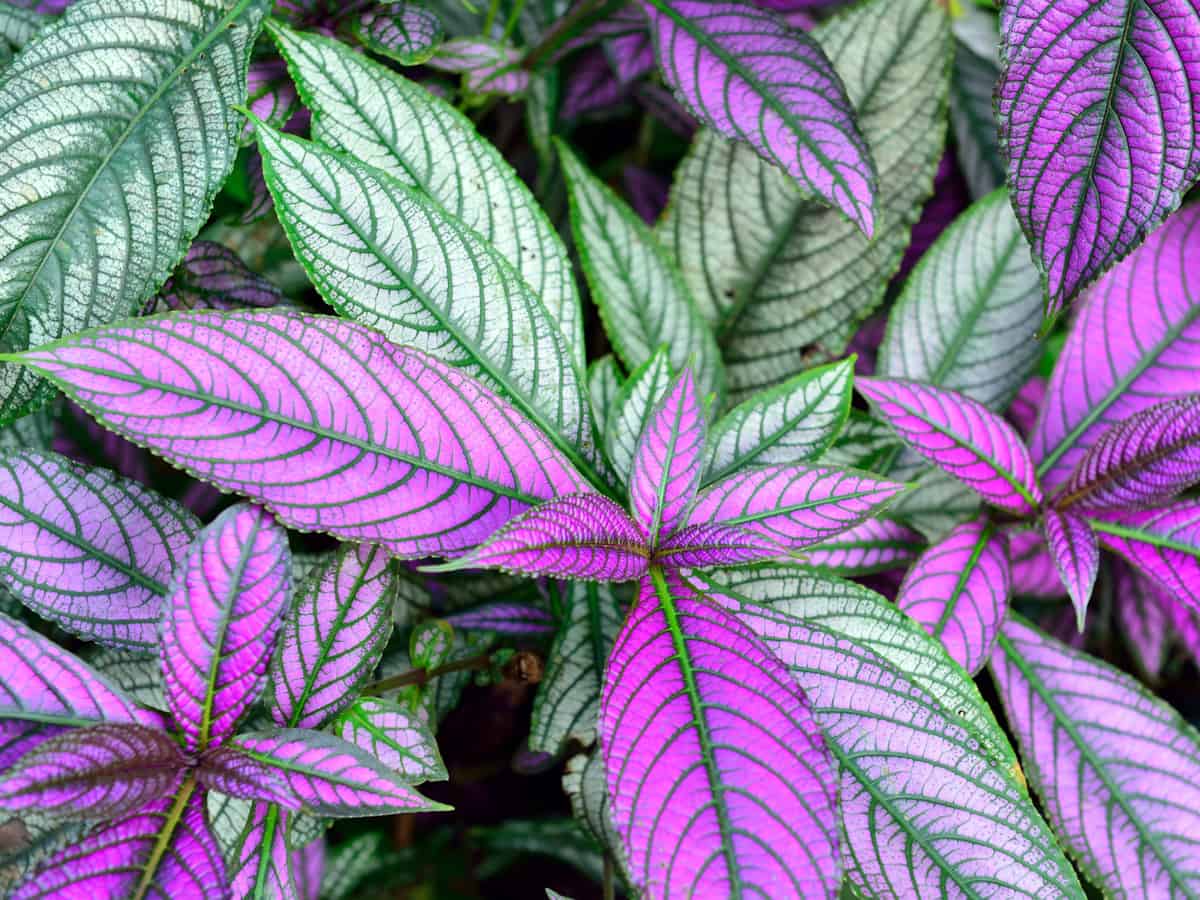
(1117, 769)
(876, 545)
(558, 839)
(631, 410)
(1143, 620)
(567, 702)
(959, 589)
(211, 276)
(642, 300)
(976, 145)
(709, 745)
(263, 865)
(332, 638)
(962, 437)
(220, 623)
(1163, 543)
(396, 737)
(714, 545)
(365, 240)
(744, 73)
(404, 32)
(139, 676)
(504, 618)
(584, 782)
(864, 443)
(583, 536)
(967, 317)
(314, 417)
(90, 550)
(783, 280)
(792, 422)
(795, 506)
(398, 126)
(1087, 96)
(935, 504)
(487, 66)
(244, 778)
(18, 26)
(1076, 555)
(98, 772)
(604, 384)
(116, 131)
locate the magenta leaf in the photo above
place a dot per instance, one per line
(212, 276)
(666, 462)
(715, 545)
(1118, 771)
(632, 407)
(584, 536)
(875, 545)
(352, 464)
(1025, 406)
(243, 777)
(1134, 343)
(1034, 573)
(795, 506)
(710, 746)
(394, 735)
(270, 95)
(742, 71)
(98, 772)
(263, 867)
(1076, 554)
(1099, 109)
(87, 549)
(959, 590)
(221, 620)
(504, 617)
(332, 638)
(1164, 544)
(962, 437)
(1143, 619)
(487, 67)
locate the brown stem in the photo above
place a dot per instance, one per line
(423, 676)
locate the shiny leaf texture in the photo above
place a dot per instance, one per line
(874, 546)
(313, 416)
(116, 131)
(395, 736)
(1076, 555)
(404, 32)
(631, 408)
(714, 545)
(667, 459)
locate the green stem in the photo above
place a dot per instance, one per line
(513, 17)
(566, 28)
(490, 19)
(165, 834)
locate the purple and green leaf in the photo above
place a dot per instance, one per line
(211, 276)
(392, 734)
(876, 545)
(1164, 544)
(404, 32)
(1076, 554)
(714, 545)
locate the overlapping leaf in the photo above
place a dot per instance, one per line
(874, 546)
(263, 864)
(976, 145)
(1163, 543)
(212, 276)
(715, 545)
(667, 459)
(1076, 554)
(395, 736)
(405, 32)
(1141, 614)
(631, 408)
(604, 385)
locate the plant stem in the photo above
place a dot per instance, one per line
(490, 19)
(609, 888)
(422, 676)
(513, 17)
(564, 29)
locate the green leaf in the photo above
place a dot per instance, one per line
(116, 131)
(400, 739)
(404, 32)
(782, 279)
(641, 391)
(604, 385)
(560, 839)
(18, 26)
(976, 141)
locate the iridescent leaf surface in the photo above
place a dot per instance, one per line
(631, 410)
(1076, 555)
(405, 32)
(395, 736)
(714, 545)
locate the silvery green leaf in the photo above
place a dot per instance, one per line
(604, 385)
(19, 25)
(639, 394)
(32, 432)
(559, 839)
(864, 443)
(586, 788)
(351, 863)
(397, 737)
(116, 131)
(138, 675)
(976, 142)
(936, 504)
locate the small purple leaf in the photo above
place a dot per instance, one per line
(221, 620)
(1143, 619)
(746, 74)
(270, 95)
(1034, 573)
(1024, 409)
(405, 32)
(959, 590)
(395, 736)
(962, 437)
(1076, 555)
(710, 746)
(1162, 543)
(666, 462)
(631, 56)
(715, 545)
(876, 545)
(487, 67)
(504, 617)
(212, 276)
(795, 506)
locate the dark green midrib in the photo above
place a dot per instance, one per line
(1145, 537)
(796, 507)
(219, 29)
(959, 585)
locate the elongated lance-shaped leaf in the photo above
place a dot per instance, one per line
(244, 778)
(332, 427)
(212, 276)
(1143, 620)
(138, 675)
(959, 589)
(585, 536)
(667, 460)
(585, 784)
(222, 616)
(876, 545)
(631, 410)
(400, 127)
(99, 772)
(795, 506)
(968, 314)
(1076, 554)
(262, 867)
(1098, 154)
(962, 437)
(1142, 461)
(643, 302)
(164, 850)
(405, 32)
(709, 745)
(1134, 343)
(784, 281)
(386, 255)
(114, 121)
(332, 638)
(328, 776)
(790, 423)
(976, 145)
(503, 617)
(394, 735)
(1162, 543)
(90, 550)
(604, 385)
(1118, 770)
(568, 699)
(742, 71)
(714, 545)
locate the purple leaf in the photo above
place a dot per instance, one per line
(710, 746)
(1118, 771)
(504, 618)
(714, 545)
(332, 638)
(666, 463)
(212, 276)
(795, 506)
(98, 772)
(224, 770)
(647, 192)
(962, 437)
(630, 55)
(405, 32)
(486, 67)
(261, 201)
(876, 545)
(1135, 342)
(959, 590)
(263, 866)
(1143, 461)
(354, 464)
(87, 549)
(583, 536)
(328, 776)
(1076, 555)
(1162, 543)
(1023, 411)
(221, 620)
(1143, 619)
(1034, 573)
(270, 94)
(1099, 107)
(591, 86)
(394, 735)
(743, 72)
